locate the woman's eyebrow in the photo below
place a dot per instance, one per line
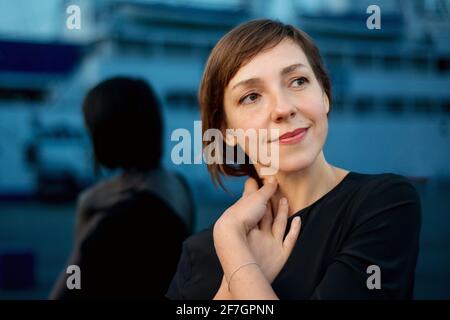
(248, 82)
(291, 68)
(255, 81)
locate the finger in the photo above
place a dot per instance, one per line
(262, 196)
(255, 205)
(250, 186)
(266, 221)
(267, 179)
(280, 221)
(292, 236)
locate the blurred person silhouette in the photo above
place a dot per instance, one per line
(129, 227)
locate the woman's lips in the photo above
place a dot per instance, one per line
(293, 137)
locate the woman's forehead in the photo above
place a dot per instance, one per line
(270, 61)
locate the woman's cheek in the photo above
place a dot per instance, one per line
(322, 127)
(250, 140)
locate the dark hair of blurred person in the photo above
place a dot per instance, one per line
(123, 118)
(122, 219)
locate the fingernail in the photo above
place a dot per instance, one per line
(271, 179)
(283, 201)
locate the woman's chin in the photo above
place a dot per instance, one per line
(295, 163)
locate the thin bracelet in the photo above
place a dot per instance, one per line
(237, 269)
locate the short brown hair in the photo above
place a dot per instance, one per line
(232, 51)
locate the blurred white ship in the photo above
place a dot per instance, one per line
(391, 86)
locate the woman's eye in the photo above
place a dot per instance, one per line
(250, 98)
(299, 82)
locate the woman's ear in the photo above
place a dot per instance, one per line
(326, 102)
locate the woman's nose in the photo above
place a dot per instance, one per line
(283, 109)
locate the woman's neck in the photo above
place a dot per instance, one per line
(308, 185)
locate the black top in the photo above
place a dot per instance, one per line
(127, 254)
(365, 220)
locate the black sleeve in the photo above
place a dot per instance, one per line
(131, 254)
(199, 272)
(385, 233)
(182, 276)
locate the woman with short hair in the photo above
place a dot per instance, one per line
(310, 230)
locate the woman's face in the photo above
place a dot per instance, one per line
(277, 89)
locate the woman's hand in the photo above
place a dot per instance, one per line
(239, 239)
(266, 240)
(246, 213)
